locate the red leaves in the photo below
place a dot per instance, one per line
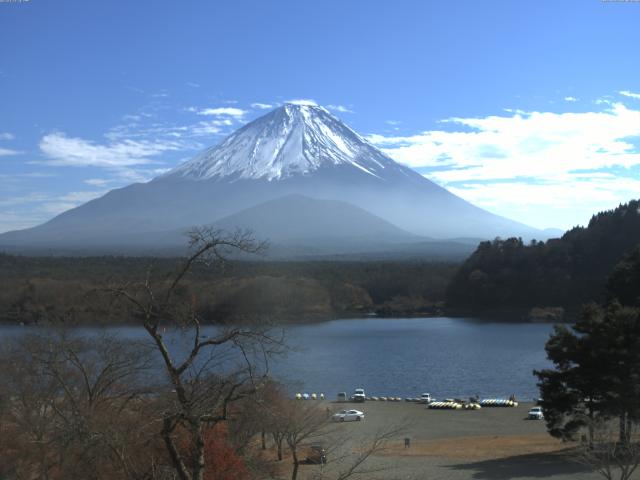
(222, 462)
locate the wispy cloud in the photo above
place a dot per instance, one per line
(570, 99)
(27, 210)
(303, 101)
(261, 106)
(77, 152)
(5, 152)
(193, 84)
(6, 136)
(488, 159)
(629, 94)
(97, 182)
(220, 111)
(62, 203)
(340, 108)
(23, 199)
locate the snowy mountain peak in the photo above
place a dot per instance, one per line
(295, 139)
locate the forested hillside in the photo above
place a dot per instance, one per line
(49, 289)
(565, 272)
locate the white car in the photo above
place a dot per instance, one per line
(425, 398)
(535, 414)
(358, 395)
(348, 416)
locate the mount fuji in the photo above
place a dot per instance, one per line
(297, 175)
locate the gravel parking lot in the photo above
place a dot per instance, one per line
(491, 443)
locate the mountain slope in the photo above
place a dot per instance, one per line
(295, 149)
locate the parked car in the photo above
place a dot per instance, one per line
(358, 395)
(317, 454)
(348, 416)
(425, 398)
(535, 414)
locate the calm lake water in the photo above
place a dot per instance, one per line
(403, 357)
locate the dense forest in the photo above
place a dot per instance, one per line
(67, 289)
(564, 272)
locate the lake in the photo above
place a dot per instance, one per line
(403, 357)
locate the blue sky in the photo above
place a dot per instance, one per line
(528, 109)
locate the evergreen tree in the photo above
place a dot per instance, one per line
(597, 372)
(623, 284)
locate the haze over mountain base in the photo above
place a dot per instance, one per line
(298, 177)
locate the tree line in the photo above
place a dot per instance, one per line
(565, 272)
(45, 290)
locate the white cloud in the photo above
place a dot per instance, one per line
(261, 106)
(220, 111)
(97, 182)
(193, 84)
(563, 202)
(77, 152)
(489, 160)
(17, 220)
(24, 211)
(535, 144)
(570, 99)
(5, 152)
(17, 200)
(57, 205)
(303, 101)
(6, 136)
(629, 94)
(393, 122)
(340, 108)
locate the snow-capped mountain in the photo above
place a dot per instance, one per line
(292, 150)
(292, 140)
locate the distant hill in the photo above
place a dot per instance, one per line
(304, 220)
(566, 272)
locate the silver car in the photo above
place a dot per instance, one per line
(536, 414)
(348, 416)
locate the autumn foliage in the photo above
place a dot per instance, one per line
(223, 463)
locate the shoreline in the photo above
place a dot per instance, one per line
(458, 315)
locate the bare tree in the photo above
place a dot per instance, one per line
(25, 416)
(302, 422)
(75, 406)
(216, 370)
(607, 455)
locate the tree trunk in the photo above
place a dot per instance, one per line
(294, 473)
(623, 428)
(263, 436)
(277, 439)
(591, 428)
(198, 440)
(175, 456)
